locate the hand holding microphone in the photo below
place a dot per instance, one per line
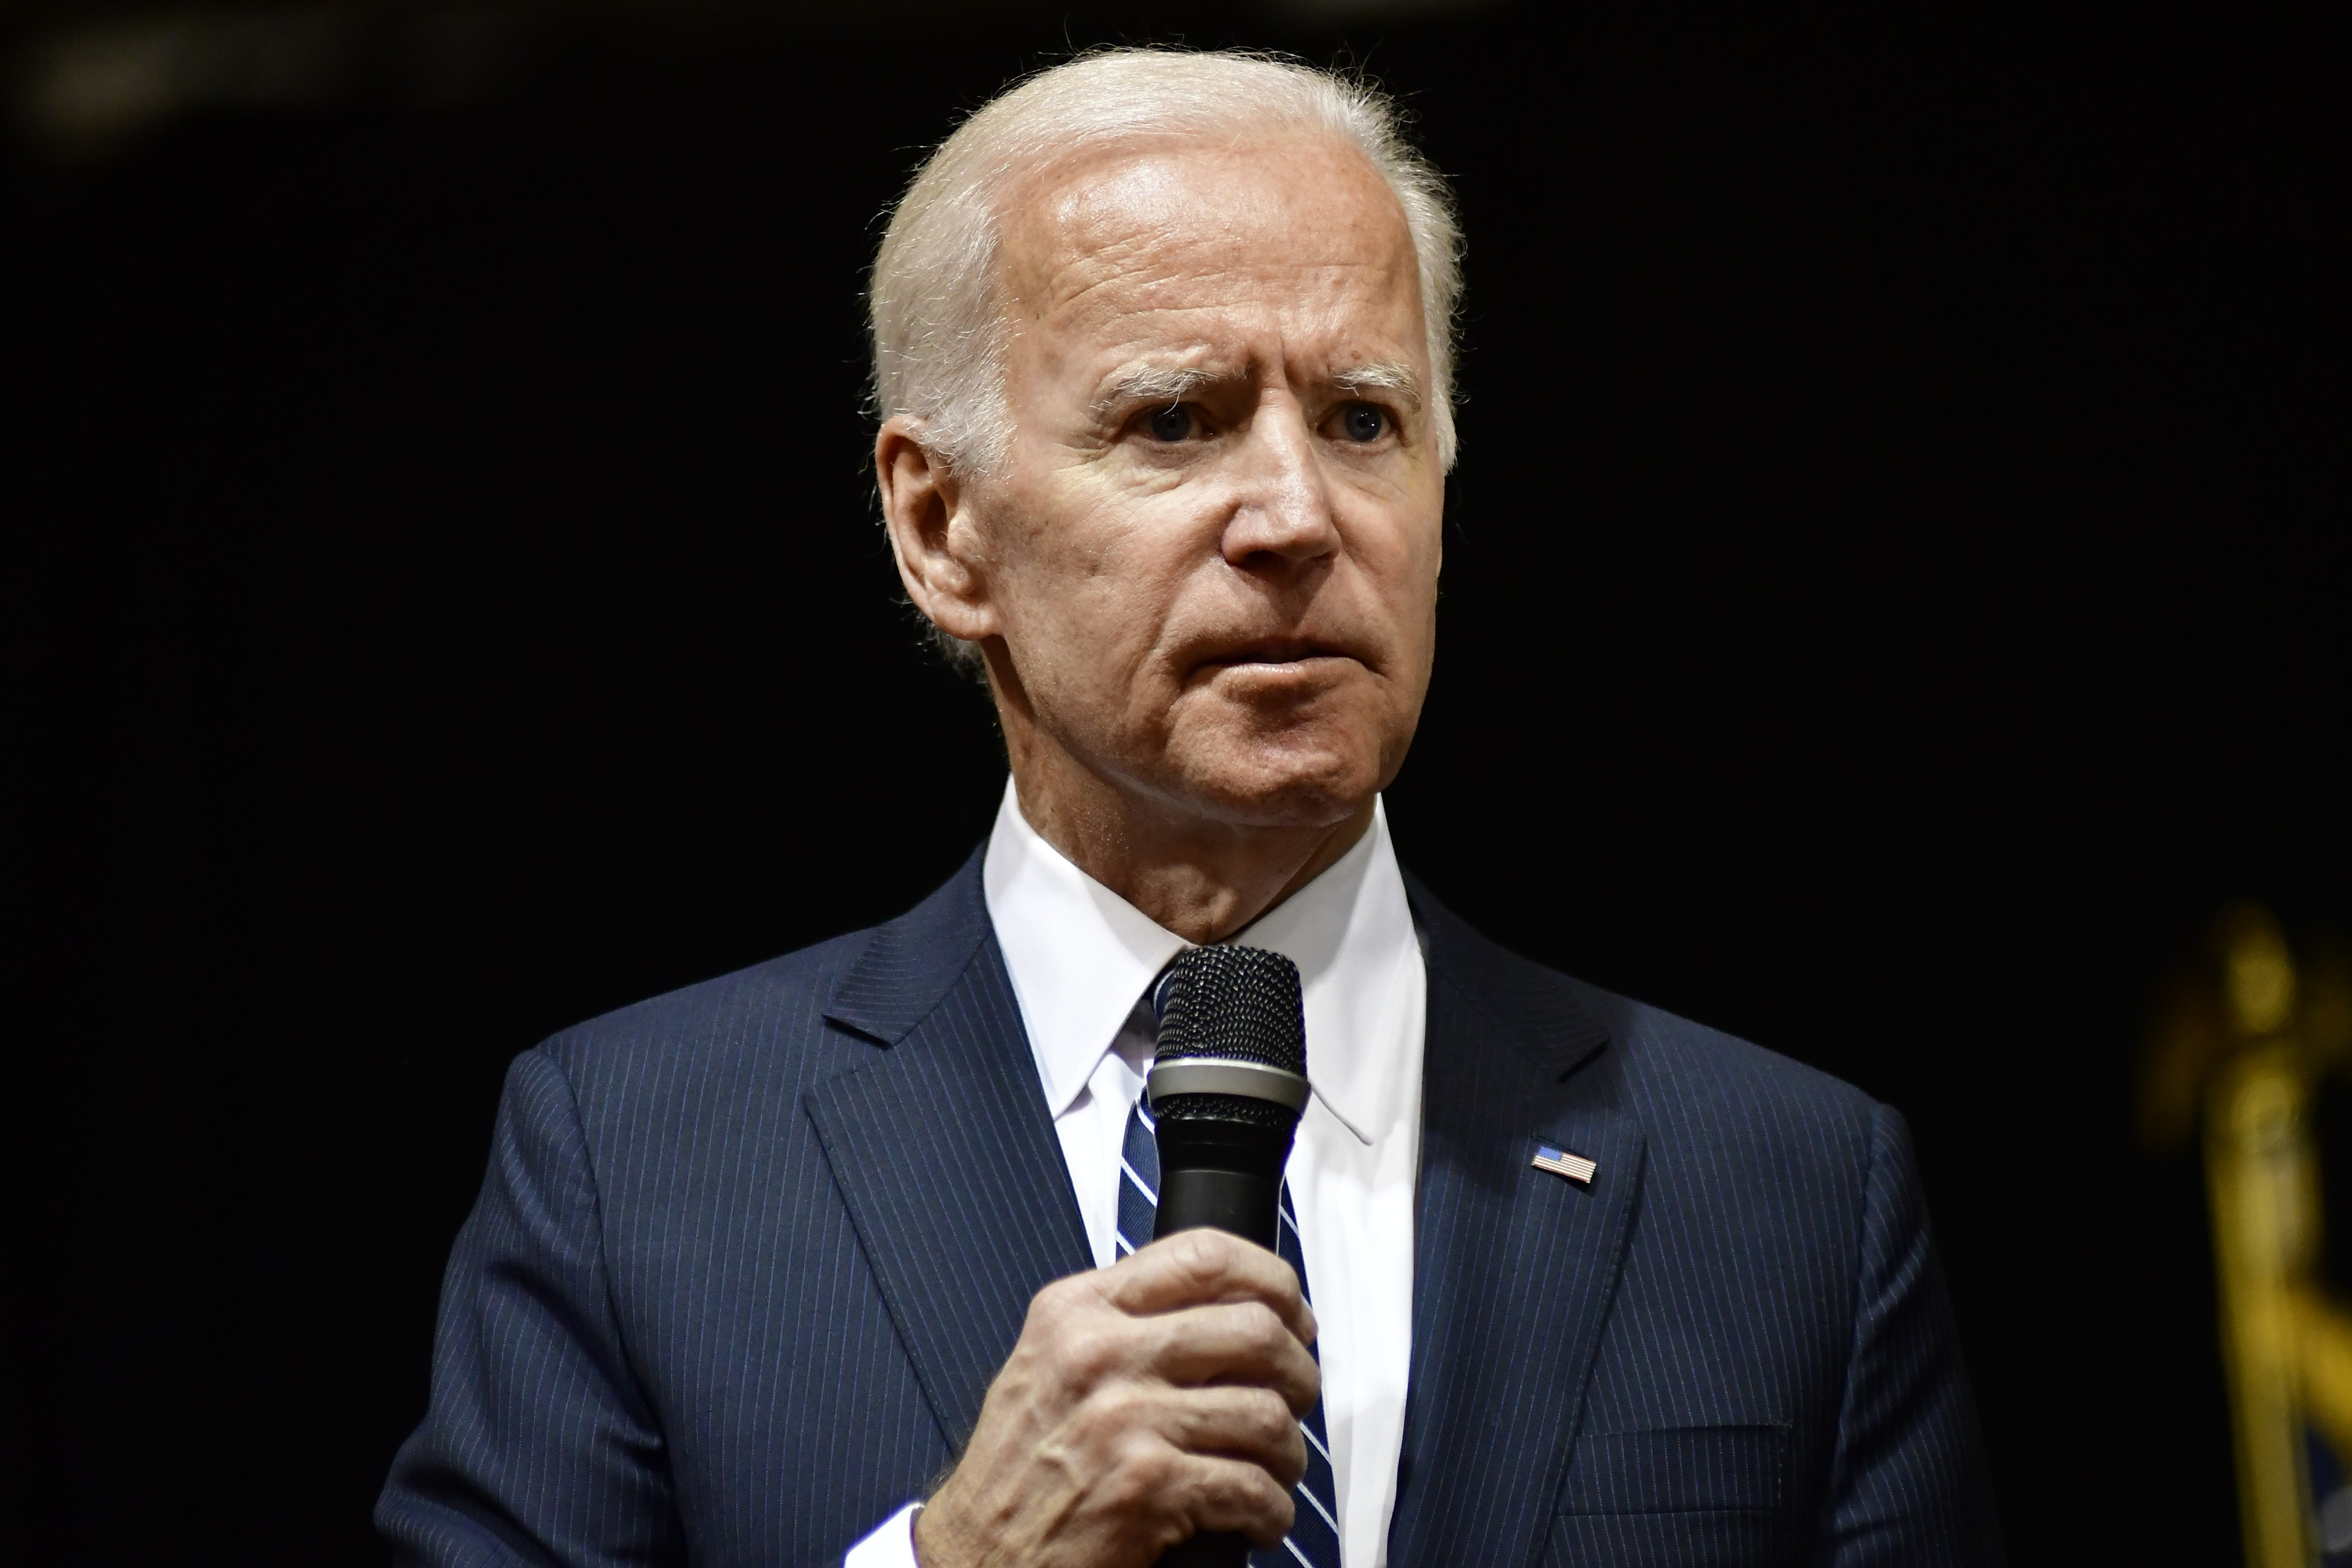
(1155, 1402)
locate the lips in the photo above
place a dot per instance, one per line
(1274, 651)
(1275, 664)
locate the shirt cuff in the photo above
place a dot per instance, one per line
(891, 1545)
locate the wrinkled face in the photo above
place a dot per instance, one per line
(1212, 551)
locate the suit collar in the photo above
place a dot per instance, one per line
(943, 1149)
(910, 963)
(1532, 1009)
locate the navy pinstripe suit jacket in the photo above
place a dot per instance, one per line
(748, 1255)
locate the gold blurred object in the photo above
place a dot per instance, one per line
(2251, 1039)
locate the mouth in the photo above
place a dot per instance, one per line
(1274, 665)
(1272, 653)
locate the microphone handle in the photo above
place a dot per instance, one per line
(1247, 1203)
(1208, 1549)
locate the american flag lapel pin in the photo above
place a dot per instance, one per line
(1561, 1162)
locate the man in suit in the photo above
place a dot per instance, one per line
(847, 1257)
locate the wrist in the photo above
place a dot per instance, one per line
(930, 1549)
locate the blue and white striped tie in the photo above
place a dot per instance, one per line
(1314, 1538)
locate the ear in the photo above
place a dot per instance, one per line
(934, 537)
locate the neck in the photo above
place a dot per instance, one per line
(1196, 874)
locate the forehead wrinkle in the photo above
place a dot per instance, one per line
(1222, 310)
(1082, 232)
(1147, 267)
(1150, 257)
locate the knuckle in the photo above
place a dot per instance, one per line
(1092, 1351)
(1268, 1328)
(1293, 1293)
(1048, 1308)
(1255, 1500)
(1120, 1412)
(1203, 1253)
(1142, 1470)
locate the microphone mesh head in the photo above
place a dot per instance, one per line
(1240, 1003)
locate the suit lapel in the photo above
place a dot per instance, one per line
(944, 1150)
(1514, 1267)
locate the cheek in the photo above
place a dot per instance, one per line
(1401, 559)
(1083, 596)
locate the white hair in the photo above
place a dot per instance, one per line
(937, 318)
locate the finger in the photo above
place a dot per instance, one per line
(1222, 1494)
(1230, 1420)
(1195, 1267)
(1244, 1343)
(1249, 1424)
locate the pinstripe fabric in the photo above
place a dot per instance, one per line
(1513, 1272)
(943, 1149)
(716, 1306)
(1679, 1470)
(1759, 1367)
(1314, 1538)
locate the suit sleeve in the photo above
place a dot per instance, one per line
(539, 1447)
(1909, 1485)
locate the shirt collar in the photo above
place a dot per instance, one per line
(1079, 955)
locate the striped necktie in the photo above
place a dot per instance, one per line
(1314, 1538)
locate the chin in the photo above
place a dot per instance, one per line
(1288, 764)
(1284, 789)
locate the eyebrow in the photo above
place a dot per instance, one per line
(1165, 385)
(1159, 384)
(1388, 376)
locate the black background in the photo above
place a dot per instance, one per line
(1892, 600)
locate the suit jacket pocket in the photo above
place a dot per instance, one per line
(1678, 1469)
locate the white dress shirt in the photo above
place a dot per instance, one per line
(1081, 957)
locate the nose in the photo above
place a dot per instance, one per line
(1284, 504)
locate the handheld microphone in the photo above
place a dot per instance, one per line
(1227, 1084)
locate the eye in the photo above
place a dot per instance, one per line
(1174, 422)
(1364, 421)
